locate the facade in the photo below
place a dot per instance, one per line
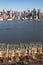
(41, 15)
(11, 13)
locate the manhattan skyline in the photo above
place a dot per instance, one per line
(21, 5)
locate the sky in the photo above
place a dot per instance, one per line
(21, 5)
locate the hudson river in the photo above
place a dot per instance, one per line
(21, 31)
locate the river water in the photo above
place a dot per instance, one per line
(21, 31)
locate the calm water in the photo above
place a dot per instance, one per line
(21, 31)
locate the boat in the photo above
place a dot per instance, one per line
(9, 19)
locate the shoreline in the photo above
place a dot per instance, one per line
(22, 20)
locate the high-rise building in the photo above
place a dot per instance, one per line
(41, 15)
(11, 13)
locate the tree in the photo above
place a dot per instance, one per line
(1, 59)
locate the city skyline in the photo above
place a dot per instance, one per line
(21, 5)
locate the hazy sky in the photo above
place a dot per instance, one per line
(21, 4)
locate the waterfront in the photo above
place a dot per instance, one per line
(21, 31)
(21, 54)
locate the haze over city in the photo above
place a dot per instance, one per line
(21, 5)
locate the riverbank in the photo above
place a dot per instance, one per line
(21, 20)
